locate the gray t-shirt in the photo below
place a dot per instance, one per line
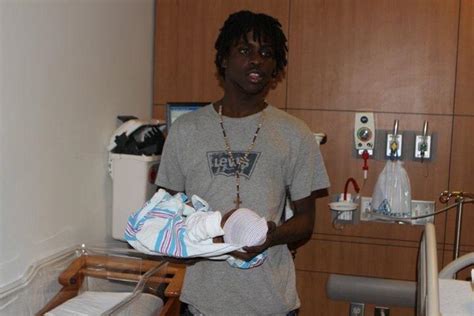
(285, 155)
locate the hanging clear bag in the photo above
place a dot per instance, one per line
(392, 192)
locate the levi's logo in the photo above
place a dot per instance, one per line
(220, 163)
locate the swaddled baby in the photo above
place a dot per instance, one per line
(167, 226)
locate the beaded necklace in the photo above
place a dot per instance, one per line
(238, 163)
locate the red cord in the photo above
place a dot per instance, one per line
(354, 183)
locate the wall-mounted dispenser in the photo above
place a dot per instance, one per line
(394, 143)
(423, 144)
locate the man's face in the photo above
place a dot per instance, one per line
(249, 66)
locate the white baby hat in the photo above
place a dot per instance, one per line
(245, 228)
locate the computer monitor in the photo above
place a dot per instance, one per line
(176, 109)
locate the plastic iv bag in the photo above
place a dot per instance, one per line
(392, 192)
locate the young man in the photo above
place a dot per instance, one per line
(241, 152)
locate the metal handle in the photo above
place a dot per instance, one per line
(425, 128)
(395, 128)
(459, 198)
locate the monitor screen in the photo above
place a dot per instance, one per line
(176, 109)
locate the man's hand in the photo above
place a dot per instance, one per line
(251, 252)
(293, 232)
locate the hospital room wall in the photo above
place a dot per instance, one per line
(68, 68)
(411, 60)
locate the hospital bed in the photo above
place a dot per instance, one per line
(428, 286)
(441, 293)
(432, 294)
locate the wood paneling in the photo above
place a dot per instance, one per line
(361, 259)
(395, 56)
(314, 302)
(461, 179)
(312, 291)
(427, 179)
(465, 68)
(184, 47)
(159, 112)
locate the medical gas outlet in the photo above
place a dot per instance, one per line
(394, 143)
(364, 133)
(423, 144)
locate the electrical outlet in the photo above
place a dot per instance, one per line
(365, 207)
(420, 208)
(381, 311)
(357, 309)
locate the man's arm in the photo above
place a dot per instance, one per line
(294, 232)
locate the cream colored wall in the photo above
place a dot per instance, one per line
(67, 69)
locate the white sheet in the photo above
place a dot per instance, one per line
(92, 303)
(456, 298)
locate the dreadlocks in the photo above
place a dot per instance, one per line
(264, 27)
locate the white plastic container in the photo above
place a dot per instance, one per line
(133, 181)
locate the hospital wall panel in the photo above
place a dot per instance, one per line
(370, 257)
(395, 56)
(312, 291)
(159, 112)
(427, 179)
(462, 179)
(465, 65)
(404, 60)
(184, 47)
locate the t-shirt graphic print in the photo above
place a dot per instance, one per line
(220, 163)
